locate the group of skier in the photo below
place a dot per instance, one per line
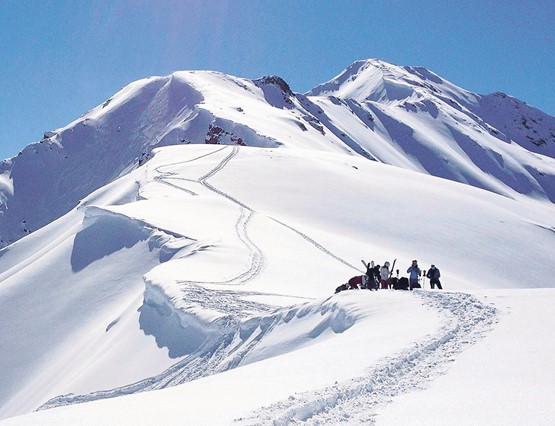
(381, 277)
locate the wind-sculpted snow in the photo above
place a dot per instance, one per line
(244, 340)
(227, 341)
(467, 320)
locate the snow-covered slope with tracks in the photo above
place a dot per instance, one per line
(189, 234)
(213, 261)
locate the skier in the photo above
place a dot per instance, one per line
(384, 276)
(434, 274)
(415, 273)
(372, 271)
(374, 278)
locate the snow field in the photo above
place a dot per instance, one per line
(195, 252)
(464, 321)
(293, 350)
(504, 379)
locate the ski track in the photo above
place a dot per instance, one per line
(354, 401)
(467, 320)
(241, 226)
(317, 245)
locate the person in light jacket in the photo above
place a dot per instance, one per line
(384, 276)
(414, 276)
(434, 274)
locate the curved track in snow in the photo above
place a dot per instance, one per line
(241, 227)
(467, 320)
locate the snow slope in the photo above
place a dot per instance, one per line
(182, 242)
(506, 379)
(412, 118)
(211, 269)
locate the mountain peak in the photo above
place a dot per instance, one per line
(370, 79)
(277, 81)
(377, 80)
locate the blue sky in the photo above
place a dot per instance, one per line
(62, 58)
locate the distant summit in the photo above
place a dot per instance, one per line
(385, 83)
(376, 80)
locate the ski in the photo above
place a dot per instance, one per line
(368, 265)
(392, 268)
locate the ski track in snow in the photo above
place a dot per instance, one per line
(467, 320)
(246, 214)
(246, 322)
(317, 245)
(257, 262)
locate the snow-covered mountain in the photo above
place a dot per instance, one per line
(403, 116)
(189, 234)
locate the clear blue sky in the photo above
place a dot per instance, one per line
(61, 58)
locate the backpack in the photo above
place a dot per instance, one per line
(393, 282)
(402, 284)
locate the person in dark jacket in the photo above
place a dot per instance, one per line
(375, 278)
(434, 274)
(372, 272)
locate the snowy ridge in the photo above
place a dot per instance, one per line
(411, 107)
(404, 116)
(202, 268)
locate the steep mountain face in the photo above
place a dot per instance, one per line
(416, 88)
(404, 116)
(422, 122)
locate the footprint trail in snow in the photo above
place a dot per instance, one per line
(467, 320)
